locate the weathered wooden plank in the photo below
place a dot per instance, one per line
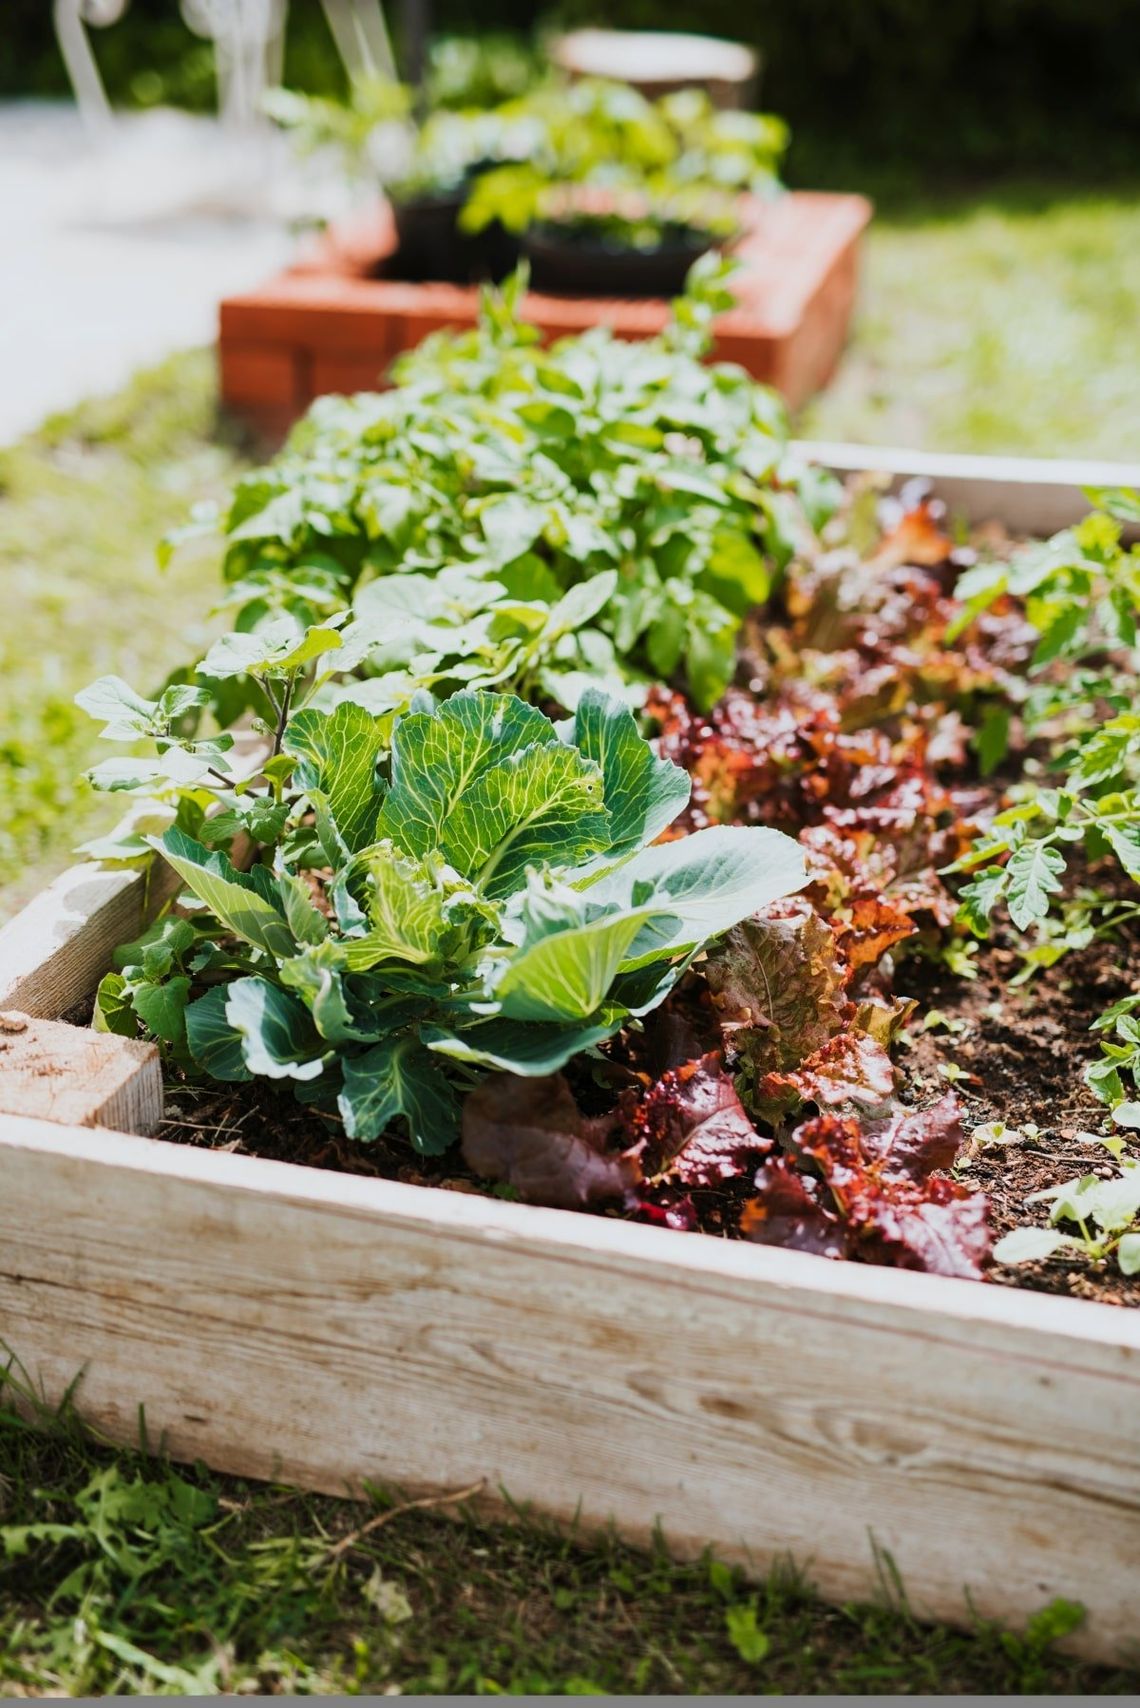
(55, 951)
(78, 1077)
(284, 1322)
(1030, 495)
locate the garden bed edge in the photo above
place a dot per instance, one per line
(332, 1331)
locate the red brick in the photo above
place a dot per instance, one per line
(795, 293)
(344, 374)
(259, 374)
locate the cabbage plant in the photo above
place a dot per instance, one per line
(466, 886)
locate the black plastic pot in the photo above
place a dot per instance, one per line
(430, 244)
(567, 263)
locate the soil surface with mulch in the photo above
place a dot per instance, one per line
(1024, 1051)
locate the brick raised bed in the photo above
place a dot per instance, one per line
(325, 324)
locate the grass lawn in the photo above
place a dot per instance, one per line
(162, 1581)
(996, 322)
(999, 323)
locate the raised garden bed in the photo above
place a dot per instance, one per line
(328, 324)
(287, 1321)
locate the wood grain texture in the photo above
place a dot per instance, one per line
(287, 1323)
(54, 952)
(78, 1077)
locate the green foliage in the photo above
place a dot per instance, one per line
(673, 163)
(1081, 592)
(1106, 1214)
(600, 510)
(680, 157)
(744, 1633)
(443, 880)
(465, 886)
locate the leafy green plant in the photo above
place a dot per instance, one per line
(745, 1634)
(1081, 592)
(681, 159)
(1105, 1213)
(633, 467)
(470, 80)
(374, 117)
(683, 162)
(466, 886)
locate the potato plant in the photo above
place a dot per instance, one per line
(597, 511)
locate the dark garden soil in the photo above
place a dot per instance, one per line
(1024, 1051)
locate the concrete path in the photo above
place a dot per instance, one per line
(115, 251)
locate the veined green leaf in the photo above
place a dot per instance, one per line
(316, 974)
(337, 753)
(437, 755)
(228, 893)
(162, 1008)
(407, 915)
(214, 1043)
(980, 896)
(485, 779)
(541, 806)
(1034, 873)
(113, 1009)
(174, 766)
(643, 793)
(307, 923)
(708, 881)
(399, 1077)
(124, 714)
(276, 649)
(278, 1038)
(518, 1046)
(566, 975)
(1125, 842)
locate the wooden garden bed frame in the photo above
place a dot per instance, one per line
(330, 1331)
(325, 325)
